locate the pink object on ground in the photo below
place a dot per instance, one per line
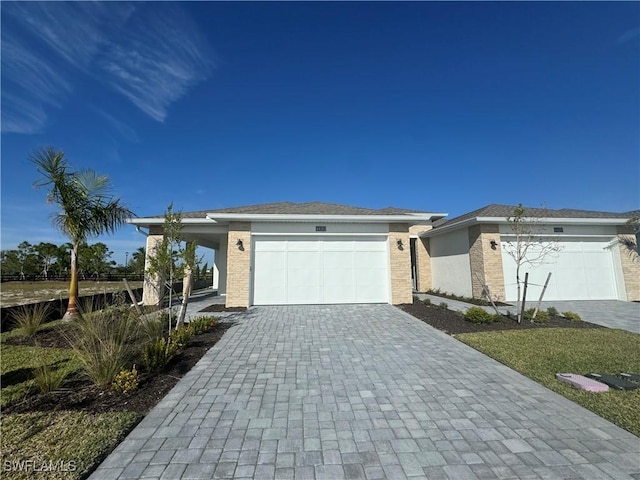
(583, 383)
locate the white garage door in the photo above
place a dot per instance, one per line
(307, 270)
(581, 270)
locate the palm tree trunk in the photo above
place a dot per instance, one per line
(72, 309)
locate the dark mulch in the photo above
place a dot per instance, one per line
(80, 394)
(454, 323)
(51, 338)
(222, 308)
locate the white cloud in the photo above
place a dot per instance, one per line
(30, 83)
(157, 60)
(152, 54)
(629, 35)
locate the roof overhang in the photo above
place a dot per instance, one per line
(411, 218)
(540, 220)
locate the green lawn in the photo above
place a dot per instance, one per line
(541, 353)
(75, 442)
(72, 443)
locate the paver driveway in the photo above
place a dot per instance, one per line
(369, 392)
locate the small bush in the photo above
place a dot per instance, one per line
(478, 315)
(203, 324)
(48, 379)
(426, 301)
(181, 335)
(572, 316)
(541, 316)
(126, 381)
(444, 305)
(416, 299)
(552, 311)
(28, 318)
(156, 355)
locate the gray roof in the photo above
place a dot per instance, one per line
(309, 208)
(505, 211)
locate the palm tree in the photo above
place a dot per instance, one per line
(86, 207)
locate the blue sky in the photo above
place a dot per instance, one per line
(442, 107)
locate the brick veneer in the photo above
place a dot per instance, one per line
(630, 267)
(238, 265)
(400, 264)
(153, 287)
(486, 263)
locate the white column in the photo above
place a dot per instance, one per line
(220, 264)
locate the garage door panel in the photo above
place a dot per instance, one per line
(329, 270)
(270, 272)
(581, 270)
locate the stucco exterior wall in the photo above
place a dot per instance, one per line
(400, 264)
(238, 265)
(423, 258)
(450, 268)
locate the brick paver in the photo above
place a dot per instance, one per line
(363, 392)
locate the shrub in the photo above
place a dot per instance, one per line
(126, 381)
(552, 311)
(541, 316)
(181, 335)
(478, 315)
(426, 301)
(572, 316)
(104, 342)
(157, 354)
(202, 324)
(416, 299)
(28, 318)
(444, 305)
(48, 379)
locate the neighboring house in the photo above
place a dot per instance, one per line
(469, 251)
(305, 253)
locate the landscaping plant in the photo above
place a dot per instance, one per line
(126, 381)
(86, 207)
(573, 316)
(28, 318)
(104, 342)
(479, 315)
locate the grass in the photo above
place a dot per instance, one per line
(19, 293)
(19, 363)
(71, 442)
(541, 353)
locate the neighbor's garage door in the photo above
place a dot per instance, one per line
(307, 270)
(581, 270)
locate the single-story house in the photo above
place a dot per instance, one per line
(304, 253)
(322, 253)
(587, 261)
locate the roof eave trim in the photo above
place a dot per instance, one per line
(503, 220)
(160, 221)
(264, 217)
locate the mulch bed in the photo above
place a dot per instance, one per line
(453, 323)
(81, 395)
(222, 308)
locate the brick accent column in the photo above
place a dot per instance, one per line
(152, 288)
(400, 264)
(238, 265)
(423, 258)
(630, 267)
(485, 262)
